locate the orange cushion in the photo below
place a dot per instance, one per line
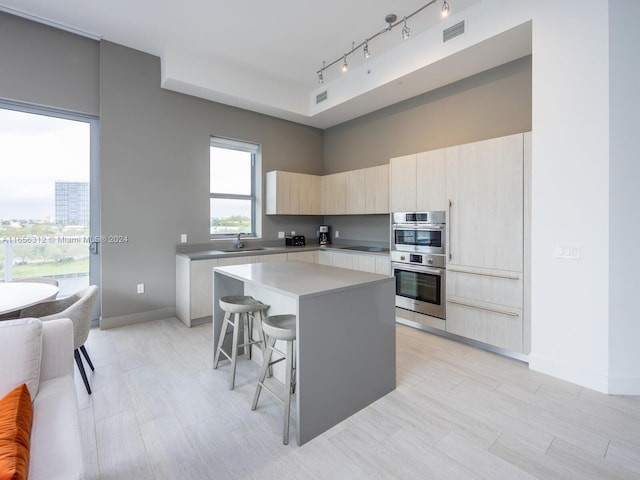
(16, 416)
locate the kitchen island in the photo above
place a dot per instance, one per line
(346, 342)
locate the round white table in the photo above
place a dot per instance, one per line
(17, 295)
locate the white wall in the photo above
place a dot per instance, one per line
(624, 255)
(570, 191)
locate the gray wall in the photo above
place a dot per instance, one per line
(154, 157)
(155, 147)
(490, 104)
(45, 66)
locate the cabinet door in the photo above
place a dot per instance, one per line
(366, 263)
(431, 181)
(376, 185)
(201, 290)
(342, 260)
(485, 187)
(311, 257)
(383, 265)
(290, 193)
(355, 192)
(402, 184)
(274, 257)
(333, 194)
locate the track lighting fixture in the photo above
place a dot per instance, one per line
(392, 21)
(405, 30)
(445, 9)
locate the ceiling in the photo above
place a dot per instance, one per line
(264, 56)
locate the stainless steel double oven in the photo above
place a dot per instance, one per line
(418, 260)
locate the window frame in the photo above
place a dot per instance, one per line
(255, 150)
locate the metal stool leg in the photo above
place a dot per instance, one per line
(223, 334)
(234, 351)
(263, 371)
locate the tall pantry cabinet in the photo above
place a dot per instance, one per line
(482, 187)
(485, 257)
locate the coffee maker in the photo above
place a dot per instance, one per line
(324, 238)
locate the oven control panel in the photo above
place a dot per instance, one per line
(436, 261)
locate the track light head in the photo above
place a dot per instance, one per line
(345, 65)
(366, 49)
(445, 9)
(405, 30)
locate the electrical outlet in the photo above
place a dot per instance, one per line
(183, 238)
(293, 232)
(337, 234)
(141, 288)
(280, 234)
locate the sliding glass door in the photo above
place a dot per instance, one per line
(49, 202)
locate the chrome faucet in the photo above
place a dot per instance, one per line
(239, 243)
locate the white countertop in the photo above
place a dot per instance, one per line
(301, 279)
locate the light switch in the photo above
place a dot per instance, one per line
(337, 234)
(280, 234)
(568, 251)
(141, 288)
(183, 238)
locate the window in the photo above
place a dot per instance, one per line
(233, 187)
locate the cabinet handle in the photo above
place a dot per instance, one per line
(450, 223)
(496, 275)
(501, 312)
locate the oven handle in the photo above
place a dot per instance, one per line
(419, 226)
(412, 268)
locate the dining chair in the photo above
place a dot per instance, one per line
(79, 308)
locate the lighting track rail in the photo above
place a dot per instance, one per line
(392, 22)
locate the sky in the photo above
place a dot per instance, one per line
(35, 151)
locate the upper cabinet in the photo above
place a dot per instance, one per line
(431, 181)
(334, 190)
(402, 183)
(356, 192)
(485, 187)
(291, 193)
(418, 182)
(376, 189)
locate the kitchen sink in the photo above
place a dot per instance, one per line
(240, 250)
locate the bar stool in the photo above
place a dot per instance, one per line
(244, 308)
(279, 327)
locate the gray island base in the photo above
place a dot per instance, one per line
(346, 334)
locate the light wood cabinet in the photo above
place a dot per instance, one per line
(309, 256)
(194, 287)
(431, 181)
(334, 189)
(402, 183)
(290, 193)
(487, 306)
(485, 186)
(485, 278)
(194, 278)
(376, 191)
(355, 191)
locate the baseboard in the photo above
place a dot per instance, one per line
(133, 318)
(624, 385)
(570, 373)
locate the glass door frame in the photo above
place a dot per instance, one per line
(94, 183)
